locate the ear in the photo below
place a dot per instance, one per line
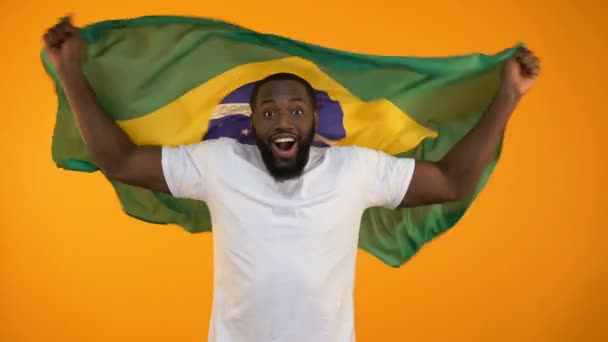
(316, 118)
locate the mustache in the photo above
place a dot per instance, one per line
(285, 172)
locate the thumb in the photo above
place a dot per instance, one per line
(66, 22)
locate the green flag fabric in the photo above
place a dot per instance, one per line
(170, 80)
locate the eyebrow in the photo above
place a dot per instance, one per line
(293, 99)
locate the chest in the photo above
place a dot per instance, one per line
(319, 208)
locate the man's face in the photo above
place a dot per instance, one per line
(284, 120)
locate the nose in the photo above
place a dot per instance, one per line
(284, 120)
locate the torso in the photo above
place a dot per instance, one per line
(284, 252)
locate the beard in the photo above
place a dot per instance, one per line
(295, 168)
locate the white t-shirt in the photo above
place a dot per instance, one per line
(284, 252)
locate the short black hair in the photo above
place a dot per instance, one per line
(283, 76)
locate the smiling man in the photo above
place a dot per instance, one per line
(284, 137)
(285, 214)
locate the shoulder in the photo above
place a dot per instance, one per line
(369, 160)
(353, 153)
(213, 146)
(201, 152)
(222, 143)
(350, 159)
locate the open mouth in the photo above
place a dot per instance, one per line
(284, 147)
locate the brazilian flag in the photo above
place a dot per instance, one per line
(169, 80)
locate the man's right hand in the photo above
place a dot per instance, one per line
(64, 44)
(110, 147)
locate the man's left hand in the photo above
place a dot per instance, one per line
(521, 72)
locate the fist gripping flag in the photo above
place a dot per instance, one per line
(171, 80)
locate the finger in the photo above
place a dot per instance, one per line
(62, 32)
(532, 71)
(45, 38)
(530, 59)
(521, 56)
(59, 35)
(535, 71)
(529, 69)
(525, 55)
(523, 50)
(527, 72)
(67, 19)
(52, 36)
(68, 27)
(532, 63)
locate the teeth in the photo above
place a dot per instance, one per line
(283, 140)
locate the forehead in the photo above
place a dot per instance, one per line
(282, 88)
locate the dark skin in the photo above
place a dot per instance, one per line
(284, 107)
(110, 147)
(456, 175)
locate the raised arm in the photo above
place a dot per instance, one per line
(456, 175)
(110, 147)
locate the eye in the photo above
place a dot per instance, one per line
(268, 114)
(297, 112)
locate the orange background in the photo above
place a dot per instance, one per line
(528, 262)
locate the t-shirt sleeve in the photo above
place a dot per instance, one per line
(386, 178)
(184, 169)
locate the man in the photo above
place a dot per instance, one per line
(285, 214)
